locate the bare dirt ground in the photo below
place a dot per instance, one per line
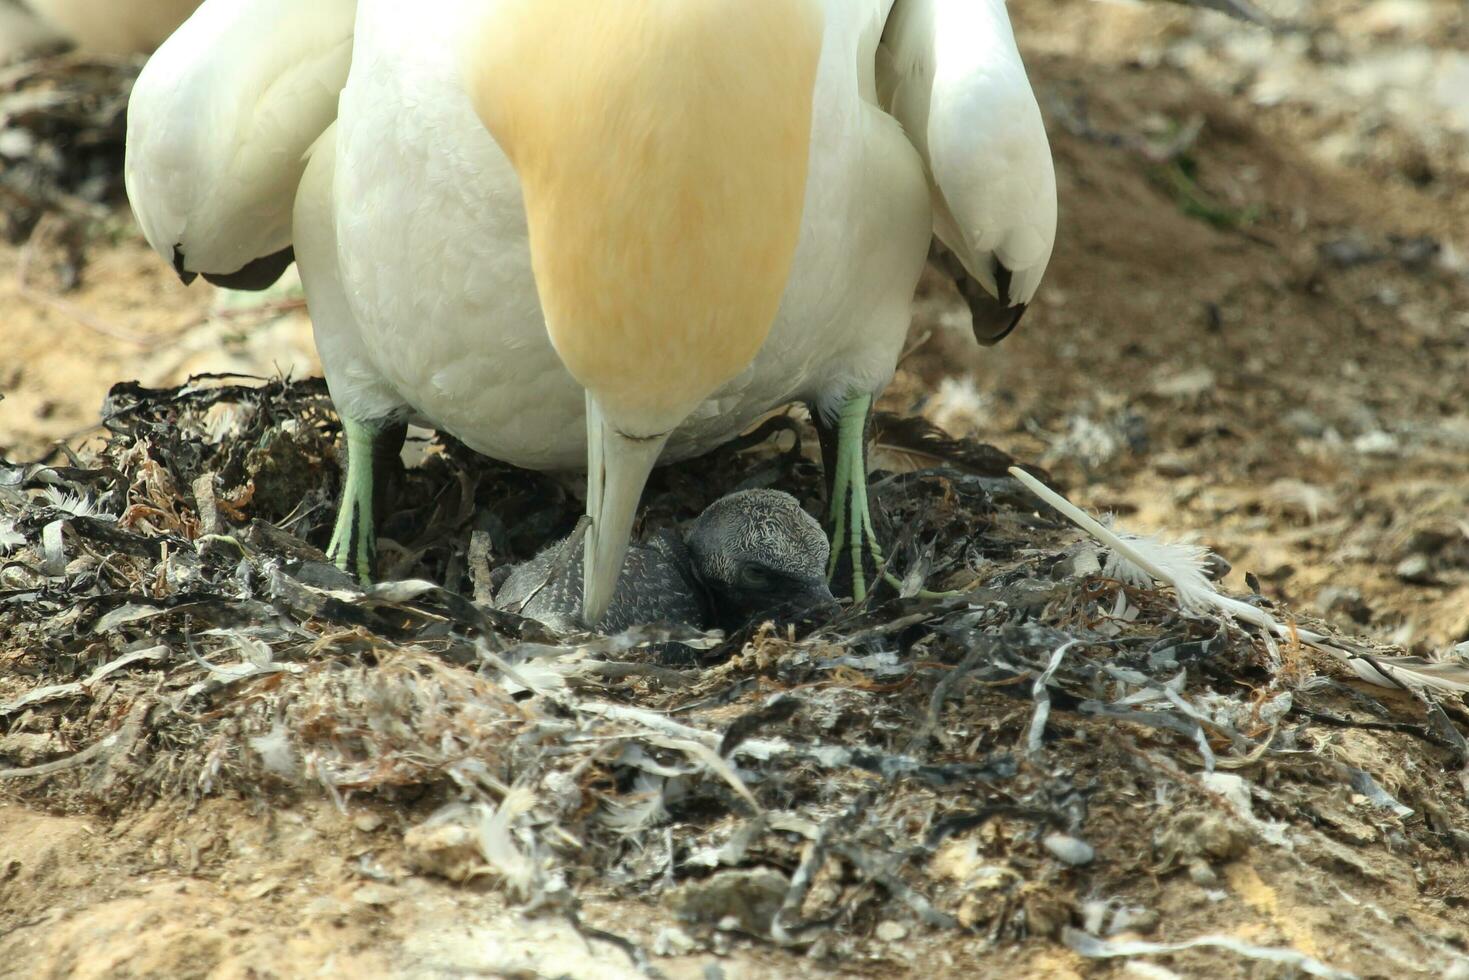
(1255, 332)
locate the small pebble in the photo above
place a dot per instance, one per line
(367, 822)
(1071, 850)
(891, 932)
(673, 941)
(1133, 919)
(1416, 569)
(1172, 465)
(1201, 874)
(378, 895)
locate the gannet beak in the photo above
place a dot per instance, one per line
(617, 468)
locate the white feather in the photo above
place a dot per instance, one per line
(75, 504)
(10, 538)
(1198, 595)
(638, 810)
(497, 841)
(1178, 560)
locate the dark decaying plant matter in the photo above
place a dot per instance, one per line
(63, 125)
(972, 761)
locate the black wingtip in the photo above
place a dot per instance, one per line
(997, 329)
(257, 275)
(184, 275)
(993, 317)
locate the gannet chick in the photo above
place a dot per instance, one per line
(749, 555)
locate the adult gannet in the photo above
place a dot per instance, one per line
(119, 27)
(435, 310)
(219, 123)
(923, 122)
(690, 162)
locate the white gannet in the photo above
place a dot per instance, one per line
(662, 145)
(923, 123)
(119, 27)
(436, 263)
(219, 123)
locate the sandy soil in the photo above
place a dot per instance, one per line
(1255, 335)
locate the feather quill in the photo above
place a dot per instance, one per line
(498, 845)
(1197, 594)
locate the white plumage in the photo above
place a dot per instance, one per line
(119, 27)
(434, 248)
(220, 121)
(950, 72)
(924, 123)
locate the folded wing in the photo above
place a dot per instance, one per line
(950, 72)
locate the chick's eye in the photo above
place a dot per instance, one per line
(756, 577)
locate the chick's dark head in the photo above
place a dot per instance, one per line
(760, 556)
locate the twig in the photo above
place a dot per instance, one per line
(119, 741)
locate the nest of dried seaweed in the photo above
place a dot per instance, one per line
(981, 761)
(63, 130)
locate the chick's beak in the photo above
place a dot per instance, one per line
(815, 596)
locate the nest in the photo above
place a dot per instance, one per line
(63, 131)
(978, 761)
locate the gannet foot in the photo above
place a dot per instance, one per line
(854, 543)
(372, 449)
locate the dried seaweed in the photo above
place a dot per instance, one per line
(63, 125)
(172, 630)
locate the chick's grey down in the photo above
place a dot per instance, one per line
(750, 554)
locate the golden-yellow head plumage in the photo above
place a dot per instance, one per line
(662, 146)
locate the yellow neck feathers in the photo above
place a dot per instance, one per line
(662, 146)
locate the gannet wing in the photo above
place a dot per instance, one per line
(950, 72)
(219, 124)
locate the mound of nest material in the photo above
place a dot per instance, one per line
(1056, 751)
(63, 126)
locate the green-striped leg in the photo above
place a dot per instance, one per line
(372, 450)
(844, 457)
(844, 454)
